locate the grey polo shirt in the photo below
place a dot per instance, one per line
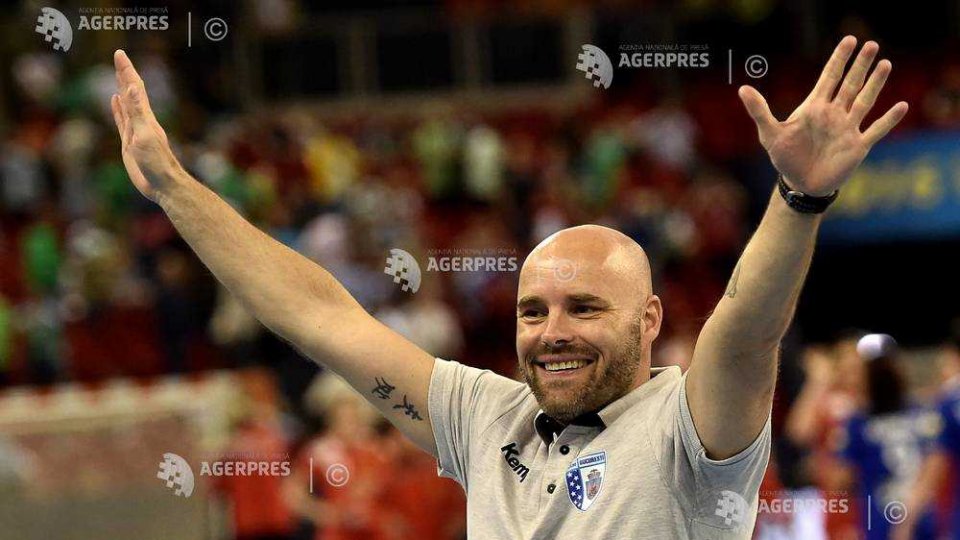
(638, 472)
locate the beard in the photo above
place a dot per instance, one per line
(607, 382)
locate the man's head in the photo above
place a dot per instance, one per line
(586, 318)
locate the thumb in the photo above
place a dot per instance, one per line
(758, 109)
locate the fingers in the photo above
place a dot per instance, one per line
(118, 117)
(858, 72)
(885, 123)
(133, 93)
(833, 71)
(126, 73)
(868, 96)
(759, 110)
(126, 132)
(135, 103)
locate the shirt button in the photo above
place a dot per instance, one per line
(551, 488)
(564, 449)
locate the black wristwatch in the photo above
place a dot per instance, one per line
(803, 203)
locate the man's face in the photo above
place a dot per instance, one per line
(583, 333)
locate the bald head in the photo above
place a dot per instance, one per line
(592, 251)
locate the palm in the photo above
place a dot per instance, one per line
(820, 145)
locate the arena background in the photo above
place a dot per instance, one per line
(346, 129)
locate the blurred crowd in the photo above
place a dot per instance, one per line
(87, 257)
(96, 284)
(356, 479)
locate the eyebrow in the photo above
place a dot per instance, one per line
(577, 298)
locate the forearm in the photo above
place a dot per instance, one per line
(761, 297)
(274, 283)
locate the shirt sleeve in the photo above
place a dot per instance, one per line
(463, 401)
(727, 489)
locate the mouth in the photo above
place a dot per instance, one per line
(562, 366)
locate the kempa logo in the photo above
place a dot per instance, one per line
(55, 29)
(595, 65)
(177, 474)
(509, 455)
(404, 269)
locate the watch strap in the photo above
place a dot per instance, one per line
(803, 203)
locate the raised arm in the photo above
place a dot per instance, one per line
(295, 298)
(731, 380)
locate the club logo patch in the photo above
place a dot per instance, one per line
(585, 479)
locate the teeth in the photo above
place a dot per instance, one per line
(558, 366)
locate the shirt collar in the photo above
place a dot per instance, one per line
(548, 428)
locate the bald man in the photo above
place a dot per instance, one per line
(594, 443)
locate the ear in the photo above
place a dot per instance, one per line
(652, 318)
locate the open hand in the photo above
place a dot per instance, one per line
(818, 147)
(146, 151)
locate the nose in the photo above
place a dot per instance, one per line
(558, 330)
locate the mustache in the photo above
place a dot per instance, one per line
(568, 348)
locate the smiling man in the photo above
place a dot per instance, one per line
(608, 294)
(595, 444)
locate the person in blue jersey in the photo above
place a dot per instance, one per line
(941, 463)
(882, 447)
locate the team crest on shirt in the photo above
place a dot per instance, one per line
(585, 479)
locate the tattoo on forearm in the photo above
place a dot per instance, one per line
(383, 389)
(408, 409)
(732, 286)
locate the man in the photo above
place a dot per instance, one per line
(596, 444)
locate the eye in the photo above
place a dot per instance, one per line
(584, 309)
(531, 313)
